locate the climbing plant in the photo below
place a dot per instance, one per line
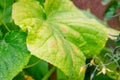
(34, 33)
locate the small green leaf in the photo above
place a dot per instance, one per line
(105, 1)
(63, 37)
(13, 55)
(111, 9)
(109, 14)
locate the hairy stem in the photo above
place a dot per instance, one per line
(32, 64)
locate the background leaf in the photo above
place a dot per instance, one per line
(6, 10)
(13, 54)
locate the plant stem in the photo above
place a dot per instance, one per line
(5, 25)
(32, 64)
(49, 73)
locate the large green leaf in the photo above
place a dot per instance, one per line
(13, 55)
(60, 34)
